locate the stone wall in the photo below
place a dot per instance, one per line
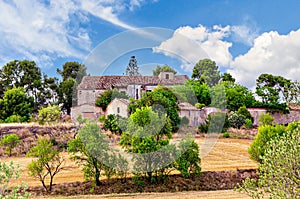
(29, 134)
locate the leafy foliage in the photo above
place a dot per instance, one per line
(10, 142)
(189, 161)
(265, 133)
(215, 123)
(248, 124)
(115, 123)
(147, 132)
(90, 149)
(9, 172)
(199, 105)
(227, 77)
(236, 120)
(50, 114)
(185, 121)
(107, 96)
(163, 101)
(244, 111)
(48, 162)
(265, 119)
(16, 102)
(278, 173)
(201, 91)
(207, 71)
(164, 68)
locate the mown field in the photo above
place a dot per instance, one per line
(227, 154)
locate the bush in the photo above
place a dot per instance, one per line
(248, 124)
(226, 135)
(199, 105)
(8, 172)
(278, 173)
(50, 114)
(185, 121)
(189, 161)
(15, 119)
(265, 119)
(215, 123)
(110, 123)
(10, 142)
(244, 111)
(236, 120)
(101, 118)
(265, 134)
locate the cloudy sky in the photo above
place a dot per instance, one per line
(245, 38)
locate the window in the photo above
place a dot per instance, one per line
(118, 110)
(167, 76)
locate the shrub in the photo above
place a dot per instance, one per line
(248, 124)
(107, 96)
(189, 161)
(8, 172)
(236, 120)
(226, 135)
(215, 123)
(278, 173)
(110, 123)
(203, 128)
(50, 114)
(265, 119)
(14, 119)
(101, 118)
(265, 134)
(244, 111)
(185, 121)
(199, 105)
(10, 142)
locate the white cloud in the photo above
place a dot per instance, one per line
(271, 53)
(44, 31)
(244, 34)
(194, 44)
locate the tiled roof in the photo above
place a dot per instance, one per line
(124, 101)
(106, 82)
(186, 106)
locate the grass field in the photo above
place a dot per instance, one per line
(227, 154)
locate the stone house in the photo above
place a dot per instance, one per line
(118, 106)
(134, 86)
(196, 116)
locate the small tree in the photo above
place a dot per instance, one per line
(50, 114)
(236, 120)
(164, 68)
(10, 142)
(265, 119)
(265, 134)
(8, 172)
(48, 162)
(107, 96)
(189, 161)
(88, 149)
(244, 111)
(279, 171)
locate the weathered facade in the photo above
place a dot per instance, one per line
(118, 106)
(196, 116)
(134, 86)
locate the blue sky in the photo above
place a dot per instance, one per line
(245, 38)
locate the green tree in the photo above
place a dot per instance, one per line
(265, 133)
(147, 133)
(278, 173)
(238, 96)
(50, 114)
(189, 161)
(107, 96)
(206, 70)
(244, 111)
(163, 101)
(89, 147)
(72, 74)
(227, 77)
(236, 120)
(48, 162)
(16, 102)
(67, 94)
(201, 91)
(9, 172)
(10, 142)
(164, 68)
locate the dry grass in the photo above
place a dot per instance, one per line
(222, 194)
(227, 154)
